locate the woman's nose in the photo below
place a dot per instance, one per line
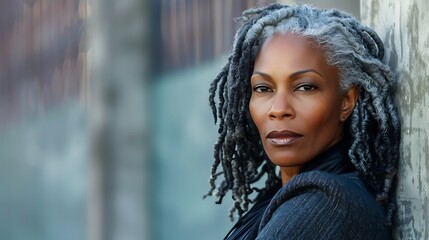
(281, 107)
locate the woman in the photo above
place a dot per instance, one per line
(306, 101)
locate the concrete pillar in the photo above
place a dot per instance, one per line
(403, 26)
(119, 59)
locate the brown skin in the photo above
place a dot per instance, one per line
(296, 102)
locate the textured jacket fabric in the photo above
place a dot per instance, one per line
(320, 205)
(326, 201)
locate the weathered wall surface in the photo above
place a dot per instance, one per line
(403, 26)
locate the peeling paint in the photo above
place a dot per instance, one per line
(403, 27)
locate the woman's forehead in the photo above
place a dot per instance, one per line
(292, 51)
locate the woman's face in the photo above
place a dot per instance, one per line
(296, 102)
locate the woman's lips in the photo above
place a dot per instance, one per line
(283, 137)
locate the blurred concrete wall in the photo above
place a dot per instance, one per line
(183, 138)
(43, 176)
(403, 26)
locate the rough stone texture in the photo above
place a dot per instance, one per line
(403, 26)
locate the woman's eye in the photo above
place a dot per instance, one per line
(261, 89)
(305, 87)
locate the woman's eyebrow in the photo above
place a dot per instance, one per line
(293, 75)
(265, 75)
(296, 74)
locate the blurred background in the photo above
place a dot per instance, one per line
(105, 128)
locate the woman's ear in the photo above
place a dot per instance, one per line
(349, 102)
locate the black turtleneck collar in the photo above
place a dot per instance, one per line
(333, 160)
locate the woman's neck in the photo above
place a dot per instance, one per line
(333, 160)
(287, 173)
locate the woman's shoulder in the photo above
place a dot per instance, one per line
(318, 205)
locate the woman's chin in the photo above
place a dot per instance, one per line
(287, 160)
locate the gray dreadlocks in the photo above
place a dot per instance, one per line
(357, 52)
